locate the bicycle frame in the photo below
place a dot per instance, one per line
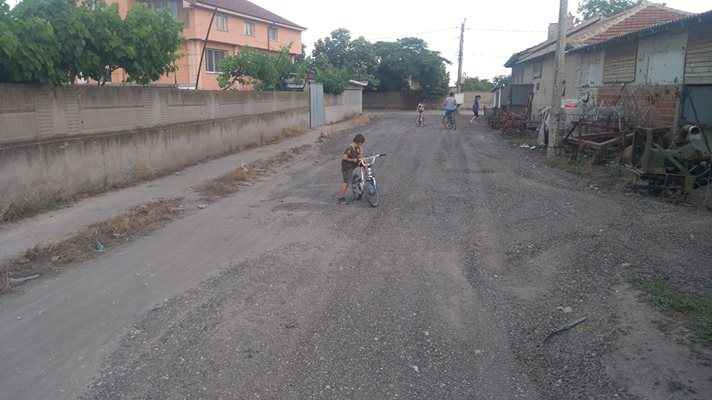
(366, 176)
(369, 172)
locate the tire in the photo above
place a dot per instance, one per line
(356, 188)
(372, 195)
(450, 123)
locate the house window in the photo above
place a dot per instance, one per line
(249, 29)
(170, 6)
(538, 66)
(272, 33)
(221, 22)
(212, 58)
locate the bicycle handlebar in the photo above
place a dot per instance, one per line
(372, 158)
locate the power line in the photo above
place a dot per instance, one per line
(416, 33)
(504, 30)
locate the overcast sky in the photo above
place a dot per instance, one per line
(494, 29)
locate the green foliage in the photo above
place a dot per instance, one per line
(357, 56)
(476, 84)
(261, 70)
(104, 48)
(335, 80)
(408, 61)
(404, 65)
(502, 80)
(696, 310)
(52, 42)
(590, 8)
(152, 40)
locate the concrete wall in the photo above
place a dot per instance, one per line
(29, 112)
(486, 100)
(30, 171)
(383, 101)
(72, 139)
(345, 105)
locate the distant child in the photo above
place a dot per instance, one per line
(349, 162)
(421, 111)
(475, 109)
(450, 105)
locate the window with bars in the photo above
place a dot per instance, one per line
(249, 28)
(171, 6)
(212, 58)
(221, 22)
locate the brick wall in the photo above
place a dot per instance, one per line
(646, 105)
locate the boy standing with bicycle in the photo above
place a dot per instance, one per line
(349, 162)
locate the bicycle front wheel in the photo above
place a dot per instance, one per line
(356, 187)
(372, 195)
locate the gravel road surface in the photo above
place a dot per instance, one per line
(445, 291)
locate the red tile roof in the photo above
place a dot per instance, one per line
(249, 9)
(638, 18)
(599, 29)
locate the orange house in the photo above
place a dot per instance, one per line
(237, 23)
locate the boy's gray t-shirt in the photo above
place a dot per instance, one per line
(450, 103)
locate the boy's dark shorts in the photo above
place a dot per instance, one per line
(347, 173)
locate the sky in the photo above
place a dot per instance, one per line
(494, 30)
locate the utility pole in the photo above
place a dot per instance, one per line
(459, 57)
(558, 78)
(205, 43)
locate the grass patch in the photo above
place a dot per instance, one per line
(231, 182)
(576, 166)
(48, 259)
(695, 310)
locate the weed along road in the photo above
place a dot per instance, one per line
(477, 252)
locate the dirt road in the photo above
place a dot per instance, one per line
(445, 291)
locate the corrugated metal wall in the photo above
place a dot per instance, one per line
(698, 65)
(620, 62)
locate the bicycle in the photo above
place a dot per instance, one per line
(449, 121)
(420, 120)
(365, 182)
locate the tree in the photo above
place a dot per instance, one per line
(52, 42)
(502, 80)
(69, 33)
(357, 56)
(152, 40)
(476, 84)
(335, 80)
(261, 70)
(409, 61)
(104, 49)
(590, 8)
(28, 50)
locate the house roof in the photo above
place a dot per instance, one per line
(694, 19)
(600, 29)
(248, 9)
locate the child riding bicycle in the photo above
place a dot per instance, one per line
(450, 105)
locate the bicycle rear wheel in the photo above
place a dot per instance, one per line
(356, 187)
(372, 195)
